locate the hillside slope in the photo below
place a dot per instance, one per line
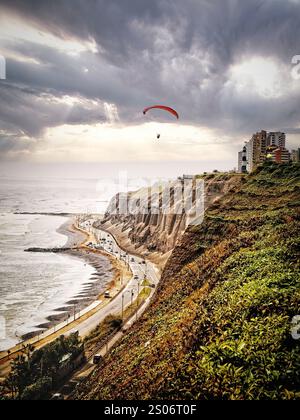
(219, 326)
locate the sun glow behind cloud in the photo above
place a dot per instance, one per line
(261, 75)
(77, 86)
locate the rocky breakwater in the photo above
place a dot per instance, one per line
(49, 250)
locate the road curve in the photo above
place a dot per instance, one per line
(141, 269)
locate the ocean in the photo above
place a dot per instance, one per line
(33, 285)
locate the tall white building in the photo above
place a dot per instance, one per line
(242, 165)
(259, 146)
(256, 150)
(276, 139)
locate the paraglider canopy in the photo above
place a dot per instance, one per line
(163, 108)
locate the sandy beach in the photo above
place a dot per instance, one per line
(103, 278)
(87, 303)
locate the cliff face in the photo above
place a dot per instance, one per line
(155, 223)
(219, 326)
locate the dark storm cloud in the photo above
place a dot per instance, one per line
(63, 74)
(224, 26)
(30, 111)
(13, 143)
(108, 22)
(172, 51)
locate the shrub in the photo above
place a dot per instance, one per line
(40, 390)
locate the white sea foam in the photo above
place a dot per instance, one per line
(33, 285)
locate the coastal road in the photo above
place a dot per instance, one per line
(141, 269)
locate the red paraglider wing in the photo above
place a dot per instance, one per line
(164, 108)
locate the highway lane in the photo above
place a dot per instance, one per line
(141, 270)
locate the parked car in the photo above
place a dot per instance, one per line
(107, 295)
(97, 359)
(57, 397)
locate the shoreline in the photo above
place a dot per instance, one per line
(123, 278)
(104, 278)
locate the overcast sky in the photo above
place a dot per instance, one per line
(80, 72)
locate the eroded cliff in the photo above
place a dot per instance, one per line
(219, 326)
(155, 220)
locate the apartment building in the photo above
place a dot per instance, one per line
(276, 139)
(263, 146)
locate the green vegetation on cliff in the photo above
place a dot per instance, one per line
(220, 324)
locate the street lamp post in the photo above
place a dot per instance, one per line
(138, 301)
(123, 297)
(123, 307)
